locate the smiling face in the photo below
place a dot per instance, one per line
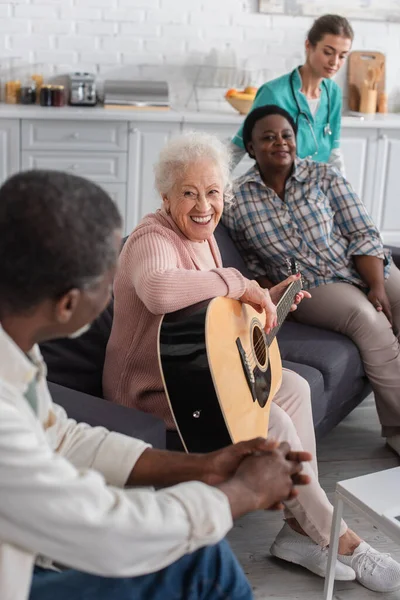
(273, 143)
(196, 200)
(328, 56)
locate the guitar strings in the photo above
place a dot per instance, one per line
(254, 349)
(282, 307)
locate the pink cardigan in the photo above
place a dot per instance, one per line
(158, 273)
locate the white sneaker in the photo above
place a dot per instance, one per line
(301, 550)
(394, 442)
(377, 572)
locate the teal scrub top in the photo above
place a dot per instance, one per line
(278, 91)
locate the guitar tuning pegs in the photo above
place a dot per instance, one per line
(292, 266)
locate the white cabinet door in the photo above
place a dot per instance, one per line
(387, 188)
(109, 167)
(117, 192)
(359, 147)
(100, 136)
(145, 143)
(9, 148)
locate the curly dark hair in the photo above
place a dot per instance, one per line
(259, 113)
(56, 233)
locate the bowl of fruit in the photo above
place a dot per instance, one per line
(241, 100)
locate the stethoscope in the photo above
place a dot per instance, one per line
(327, 128)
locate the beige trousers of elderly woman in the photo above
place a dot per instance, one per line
(291, 421)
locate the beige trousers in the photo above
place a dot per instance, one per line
(291, 421)
(345, 308)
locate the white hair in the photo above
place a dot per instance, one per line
(184, 150)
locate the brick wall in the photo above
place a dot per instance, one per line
(110, 35)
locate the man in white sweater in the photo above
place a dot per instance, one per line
(62, 500)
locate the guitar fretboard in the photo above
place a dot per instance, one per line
(283, 308)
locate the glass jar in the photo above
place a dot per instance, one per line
(46, 95)
(57, 95)
(38, 79)
(12, 90)
(28, 94)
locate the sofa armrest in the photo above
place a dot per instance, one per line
(395, 255)
(96, 411)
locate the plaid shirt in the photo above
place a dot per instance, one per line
(322, 224)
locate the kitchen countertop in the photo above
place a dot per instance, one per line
(99, 113)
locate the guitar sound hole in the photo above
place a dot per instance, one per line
(259, 346)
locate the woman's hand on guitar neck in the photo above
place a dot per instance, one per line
(260, 300)
(276, 292)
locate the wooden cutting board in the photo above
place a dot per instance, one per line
(359, 63)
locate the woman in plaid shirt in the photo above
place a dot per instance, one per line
(285, 206)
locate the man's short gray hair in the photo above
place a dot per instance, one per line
(184, 150)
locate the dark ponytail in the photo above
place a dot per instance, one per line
(330, 24)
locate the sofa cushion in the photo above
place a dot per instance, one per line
(96, 411)
(78, 363)
(334, 354)
(316, 383)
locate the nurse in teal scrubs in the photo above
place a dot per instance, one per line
(309, 94)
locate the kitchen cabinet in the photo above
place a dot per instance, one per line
(97, 150)
(387, 185)
(58, 135)
(145, 142)
(101, 167)
(360, 147)
(9, 148)
(372, 159)
(117, 192)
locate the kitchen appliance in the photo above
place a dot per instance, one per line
(136, 94)
(82, 89)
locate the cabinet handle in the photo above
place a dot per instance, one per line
(383, 137)
(74, 167)
(75, 135)
(133, 130)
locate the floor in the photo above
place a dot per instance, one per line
(353, 448)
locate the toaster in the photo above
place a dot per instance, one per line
(82, 89)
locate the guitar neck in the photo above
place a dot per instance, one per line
(283, 308)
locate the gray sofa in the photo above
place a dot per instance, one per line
(329, 361)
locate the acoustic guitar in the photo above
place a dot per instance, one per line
(220, 369)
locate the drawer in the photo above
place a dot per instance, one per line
(98, 166)
(117, 191)
(100, 136)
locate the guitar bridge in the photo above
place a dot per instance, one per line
(247, 369)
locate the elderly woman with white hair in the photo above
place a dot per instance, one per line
(171, 261)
